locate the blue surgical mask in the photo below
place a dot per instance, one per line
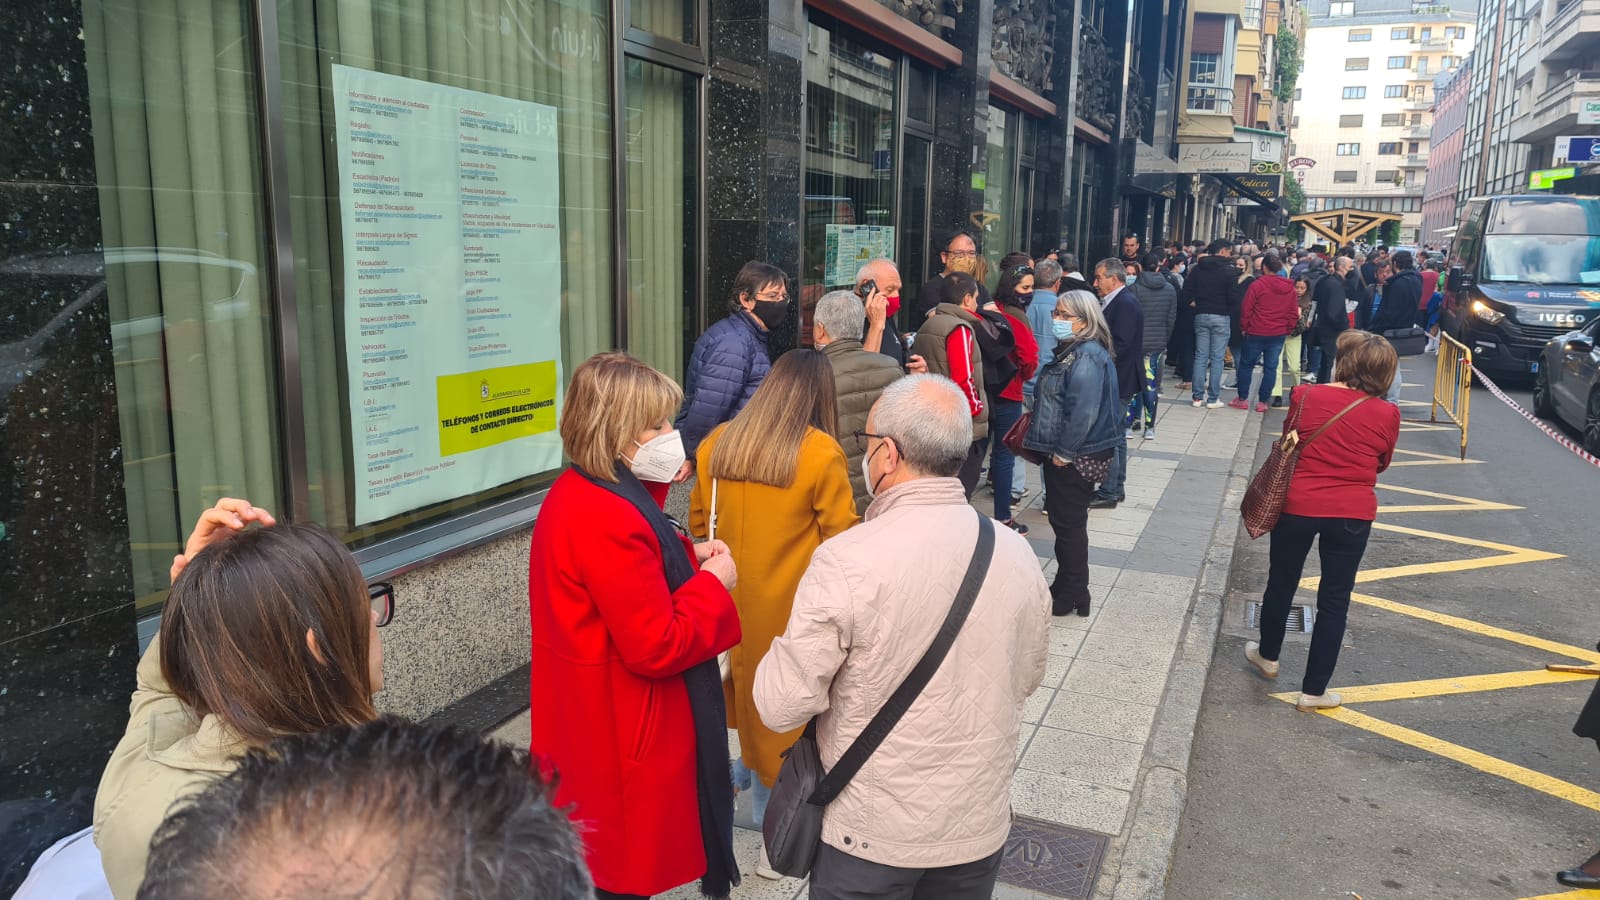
(1129, 279)
(1061, 328)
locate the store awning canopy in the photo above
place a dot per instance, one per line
(1344, 224)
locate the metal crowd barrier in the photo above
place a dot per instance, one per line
(1452, 385)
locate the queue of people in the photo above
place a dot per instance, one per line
(838, 481)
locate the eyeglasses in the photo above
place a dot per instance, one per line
(862, 436)
(1019, 271)
(1063, 316)
(961, 254)
(777, 296)
(381, 596)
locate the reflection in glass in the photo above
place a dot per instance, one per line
(1000, 231)
(174, 123)
(663, 137)
(668, 18)
(849, 160)
(552, 53)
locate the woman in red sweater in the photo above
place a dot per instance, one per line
(1012, 298)
(1331, 498)
(628, 617)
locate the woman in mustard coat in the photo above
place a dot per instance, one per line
(772, 485)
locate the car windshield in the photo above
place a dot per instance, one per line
(1542, 259)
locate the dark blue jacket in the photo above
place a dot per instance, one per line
(1125, 318)
(1402, 297)
(1076, 410)
(727, 365)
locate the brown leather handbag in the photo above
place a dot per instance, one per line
(1016, 434)
(1269, 488)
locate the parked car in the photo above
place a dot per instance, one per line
(1527, 272)
(1567, 385)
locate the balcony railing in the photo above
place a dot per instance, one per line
(1414, 160)
(1557, 108)
(1208, 98)
(1418, 103)
(1572, 30)
(1433, 43)
(1418, 131)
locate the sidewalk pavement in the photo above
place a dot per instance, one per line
(1106, 740)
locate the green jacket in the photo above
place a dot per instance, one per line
(931, 346)
(859, 376)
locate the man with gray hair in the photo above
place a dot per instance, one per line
(859, 376)
(878, 286)
(928, 813)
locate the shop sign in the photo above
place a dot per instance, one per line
(1262, 167)
(1263, 147)
(1302, 162)
(1545, 179)
(1577, 149)
(1589, 113)
(1214, 158)
(1251, 186)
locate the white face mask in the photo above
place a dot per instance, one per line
(866, 473)
(659, 458)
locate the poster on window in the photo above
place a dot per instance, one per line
(848, 247)
(449, 201)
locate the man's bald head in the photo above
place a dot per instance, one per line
(928, 419)
(882, 271)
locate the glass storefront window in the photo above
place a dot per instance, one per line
(1000, 231)
(663, 139)
(673, 19)
(534, 64)
(181, 264)
(849, 163)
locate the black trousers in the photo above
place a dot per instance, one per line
(1330, 347)
(973, 467)
(840, 876)
(607, 895)
(1067, 495)
(1341, 544)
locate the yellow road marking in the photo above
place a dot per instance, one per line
(1428, 459)
(1515, 637)
(1511, 555)
(1439, 687)
(1461, 504)
(1579, 894)
(1483, 762)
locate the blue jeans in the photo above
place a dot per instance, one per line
(1116, 483)
(1263, 350)
(760, 794)
(1003, 414)
(1210, 345)
(1144, 402)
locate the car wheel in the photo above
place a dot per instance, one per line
(1543, 406)
(1591, 423)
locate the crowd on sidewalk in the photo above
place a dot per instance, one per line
(831, 556)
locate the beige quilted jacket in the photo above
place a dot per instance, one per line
(938, 791)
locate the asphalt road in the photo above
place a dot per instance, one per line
(1284, 804)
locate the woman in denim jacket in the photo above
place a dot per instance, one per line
(1077, 421)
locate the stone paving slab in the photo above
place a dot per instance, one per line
(1087, 753)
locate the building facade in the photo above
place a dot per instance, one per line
(1367, 101)
(1492, 162)
(1441, 190)
(1558, 79)
(262, 250)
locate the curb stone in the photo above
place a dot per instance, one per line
(1149, 844)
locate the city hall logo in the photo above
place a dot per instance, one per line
(483, 389)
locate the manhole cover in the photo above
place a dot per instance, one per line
(1052, 859)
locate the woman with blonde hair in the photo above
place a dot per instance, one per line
(1331, 500)
(628, 616)
(1077, 422)
(773, 485)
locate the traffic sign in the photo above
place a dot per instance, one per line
(1577, 149)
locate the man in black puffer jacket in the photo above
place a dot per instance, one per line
(1213, 291)
(1402, 295)
(1330, 319)
(1159, 300)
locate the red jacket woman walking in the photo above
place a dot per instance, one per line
(627, 621)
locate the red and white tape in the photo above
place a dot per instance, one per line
(1543, 426)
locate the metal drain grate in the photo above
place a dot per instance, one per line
(1052, 859)
(1300, 617)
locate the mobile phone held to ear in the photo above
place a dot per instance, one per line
(866, 288)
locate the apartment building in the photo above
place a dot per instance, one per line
(1360, 136)
(1557, 87)
(1441, 192)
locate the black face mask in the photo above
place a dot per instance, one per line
(772, 313)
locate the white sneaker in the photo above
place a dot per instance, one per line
(1149, 434)
(1314, 702)
(1199, 404)
(764, 867)
(1215, 404)
(1267, 667)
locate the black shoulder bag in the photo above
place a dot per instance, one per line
(793, 825)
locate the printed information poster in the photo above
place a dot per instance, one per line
(449, 201)
(848, 247)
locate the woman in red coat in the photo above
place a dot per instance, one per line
(627, 620)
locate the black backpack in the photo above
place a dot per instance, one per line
(995, 344)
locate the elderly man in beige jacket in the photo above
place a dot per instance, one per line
(929, 812)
